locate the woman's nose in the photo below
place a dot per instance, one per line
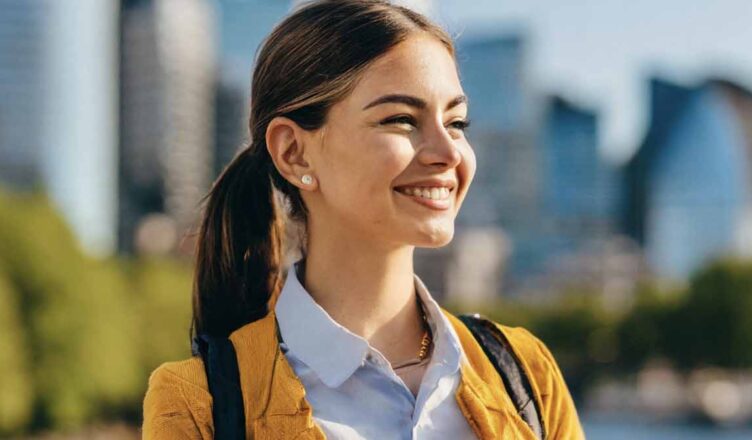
(439, 149)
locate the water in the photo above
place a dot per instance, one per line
(600, 429)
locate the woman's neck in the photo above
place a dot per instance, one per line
(369, 292)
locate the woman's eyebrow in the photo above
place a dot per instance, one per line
(412, 101)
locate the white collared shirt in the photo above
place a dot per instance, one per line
(354, 392)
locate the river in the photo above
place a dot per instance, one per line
(609, 429)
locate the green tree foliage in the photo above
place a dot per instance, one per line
(79, 336)
(161, 293)
(644, 332)
(579, 332)
(704, 324)
(15, 379)
(712, 326)
(75, 313)
(581, 335)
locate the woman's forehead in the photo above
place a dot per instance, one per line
(419, 66)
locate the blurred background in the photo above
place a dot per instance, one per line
(611, 213)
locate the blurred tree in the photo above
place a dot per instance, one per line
(78, 325)
(575, 326)
(581, 335)
(161, 292)
(713, 326)
(643, 333)
(16, 393)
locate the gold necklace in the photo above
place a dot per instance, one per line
(425, 343)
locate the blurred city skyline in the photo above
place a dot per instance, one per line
(599, 53)
(132, 130)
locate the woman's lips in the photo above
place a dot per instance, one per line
(435, 204)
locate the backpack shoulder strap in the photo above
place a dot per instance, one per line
(497, 348)
(221, 365)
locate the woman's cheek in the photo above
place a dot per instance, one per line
(465, 174)
(469, 163)
(396, 157)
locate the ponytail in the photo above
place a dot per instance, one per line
(238, 253)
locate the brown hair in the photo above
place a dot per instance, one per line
(310, 61)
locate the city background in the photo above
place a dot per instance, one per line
(611, 213)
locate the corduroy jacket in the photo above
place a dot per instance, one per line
(178, 405)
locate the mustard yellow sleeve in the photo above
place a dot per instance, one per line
(559, 409)
(559, 414)
(177, 404)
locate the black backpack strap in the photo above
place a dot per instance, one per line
(223, 376)
(497, 348)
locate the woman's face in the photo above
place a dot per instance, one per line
(392, 162)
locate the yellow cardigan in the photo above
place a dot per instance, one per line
(178, 404)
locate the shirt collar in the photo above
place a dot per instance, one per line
(447, 347)
(332, 351)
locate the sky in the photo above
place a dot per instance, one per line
(597, 53)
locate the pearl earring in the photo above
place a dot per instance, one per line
(307, 179)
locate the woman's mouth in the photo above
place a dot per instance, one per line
(436, 197)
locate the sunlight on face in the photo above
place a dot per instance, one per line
(393, 162)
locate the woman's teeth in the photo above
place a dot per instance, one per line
(435, 193)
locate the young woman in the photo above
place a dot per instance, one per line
(357, 125)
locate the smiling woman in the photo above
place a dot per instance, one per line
(357, 120)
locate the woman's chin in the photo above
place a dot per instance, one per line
(435, 237)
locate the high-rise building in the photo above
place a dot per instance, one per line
(22, 69)
(493, 77)
(231, 125)
(505, 191)
(58, 76)
(491, 70)
(168, 71)
(689, 184)
(573, 237)
(579, 188)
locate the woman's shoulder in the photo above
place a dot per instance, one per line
(531, 351)
(188, 373)
(178, 402)
(557, 407)
(536, 358)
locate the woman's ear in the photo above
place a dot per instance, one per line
(285, 141)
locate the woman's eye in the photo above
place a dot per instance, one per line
(462, 124)
(400, 120)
